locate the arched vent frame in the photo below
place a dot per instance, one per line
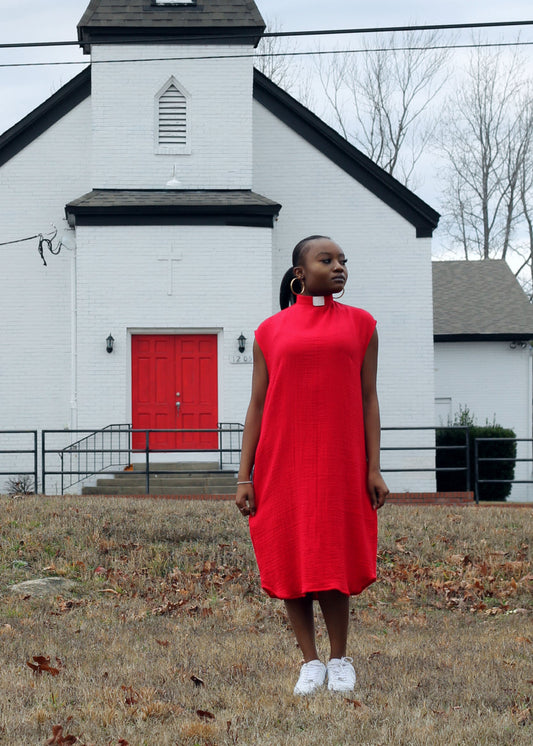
(172, 119)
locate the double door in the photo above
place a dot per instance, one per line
(174, 386)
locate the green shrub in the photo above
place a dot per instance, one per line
(452, 481)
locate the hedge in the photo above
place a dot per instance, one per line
(452, 481)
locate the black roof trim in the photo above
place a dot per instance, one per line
(510, 337)
(346, 156)
(172, 207)
(117, 35)
(144, 218)
(45, 115)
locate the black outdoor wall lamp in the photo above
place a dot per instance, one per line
(242, 342)
(110, 342)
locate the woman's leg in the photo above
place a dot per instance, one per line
(336, 610)
(300, 612)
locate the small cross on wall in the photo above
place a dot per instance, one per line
(172, 256)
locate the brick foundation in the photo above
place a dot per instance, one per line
(395, 498)
(431, 498)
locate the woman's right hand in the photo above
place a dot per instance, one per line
(245, 499)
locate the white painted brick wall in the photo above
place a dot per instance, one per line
(389, 275)
(221, 285)
(35, 300)
(494, 382)
(220, 111)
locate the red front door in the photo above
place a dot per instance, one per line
(174, 386)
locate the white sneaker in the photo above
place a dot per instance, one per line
(341, 675)
(312, 677)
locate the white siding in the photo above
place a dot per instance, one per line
(494, 382)
(219, 117)
(35, 301)
(210, 294)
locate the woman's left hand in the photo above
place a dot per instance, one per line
(378, 489)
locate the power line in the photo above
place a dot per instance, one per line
(308, 53)
(273, 34)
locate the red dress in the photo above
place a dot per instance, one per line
(314, 529)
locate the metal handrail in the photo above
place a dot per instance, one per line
(233, 429)
(34, 451)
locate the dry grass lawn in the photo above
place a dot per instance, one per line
(166, 637)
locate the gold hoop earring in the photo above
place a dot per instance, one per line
(340, 296)
(302, 291)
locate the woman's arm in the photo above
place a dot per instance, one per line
(245, 498)
(376, 486)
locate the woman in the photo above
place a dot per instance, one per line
(311, 440)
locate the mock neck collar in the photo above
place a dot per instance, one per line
(315, 301)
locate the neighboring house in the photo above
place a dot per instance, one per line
(483, 322)
(180, 179)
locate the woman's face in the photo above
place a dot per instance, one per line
(323, 268)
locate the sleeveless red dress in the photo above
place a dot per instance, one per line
(314, 529)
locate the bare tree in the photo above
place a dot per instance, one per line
(380, 99)
(486, 140)
(278, 59)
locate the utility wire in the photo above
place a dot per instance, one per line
(272, 34)
(308, 53)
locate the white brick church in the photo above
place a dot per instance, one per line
(179, 180)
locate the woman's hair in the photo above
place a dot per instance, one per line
(286, 296)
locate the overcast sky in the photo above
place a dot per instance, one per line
(24, 88)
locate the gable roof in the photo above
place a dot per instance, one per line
(29, 128)
(423, 217)
(479, 300)
(346, 155)
(144, 20)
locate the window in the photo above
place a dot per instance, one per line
(172, 119)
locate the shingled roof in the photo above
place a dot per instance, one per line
(172, 207)
(145, 20)
(479, 301)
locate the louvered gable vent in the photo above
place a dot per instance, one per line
(172, 117)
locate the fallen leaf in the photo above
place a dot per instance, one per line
(133, 697)
(163, 643)
(42, 665)
(58, 738)
(355, 703)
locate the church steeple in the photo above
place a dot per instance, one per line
(193, 21)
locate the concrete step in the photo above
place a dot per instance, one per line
(163, 490)
(194, 478)
(186, 481)
(179, 466)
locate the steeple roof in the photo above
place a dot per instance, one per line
(181, 20)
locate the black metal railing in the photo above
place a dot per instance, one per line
(113, 448)
(22, 443)
(94, 454)
(479, 460)
(109, 450)
(463, 447)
